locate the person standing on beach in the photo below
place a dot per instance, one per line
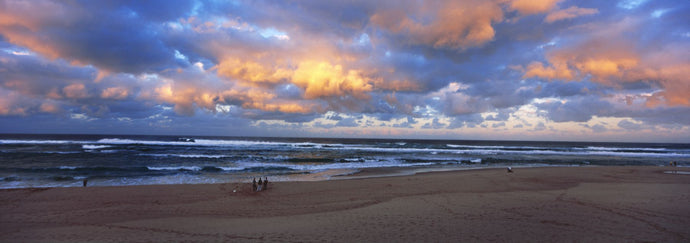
(266, 183)
(253, 184)
(260, 185)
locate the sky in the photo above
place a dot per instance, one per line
(449, 69)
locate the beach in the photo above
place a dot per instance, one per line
(584, 204)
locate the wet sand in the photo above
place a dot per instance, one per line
(532, 204)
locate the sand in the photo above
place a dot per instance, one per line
(582, 204)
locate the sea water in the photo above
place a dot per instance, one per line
(109, 160)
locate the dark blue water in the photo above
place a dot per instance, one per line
(65, 160)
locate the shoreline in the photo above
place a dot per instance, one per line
(607, 203)
(326, 175)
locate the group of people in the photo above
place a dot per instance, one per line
(261, 185)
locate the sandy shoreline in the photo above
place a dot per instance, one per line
(532, 204)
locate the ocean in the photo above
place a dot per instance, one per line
(116, 160)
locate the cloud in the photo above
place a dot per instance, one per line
(110, 35)
(608, 56)
(455, 25)
(117, 93)
(527, 7)
(578, 110)
(434, 124)
(497, 125)
(629, 125)
(569, 13)
(75, 91)
(347, 122)
(540, 127)
(384, 66)
(252, 71)
(321, 79)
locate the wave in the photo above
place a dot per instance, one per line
(625, 149)
(220, 143)
(200, 156)
(496, 150)
(493, 147)
(175, 168)
(77, 169)
(60, 152)
(196, 142)
(94, 147)
(17, 141)
(194, 156)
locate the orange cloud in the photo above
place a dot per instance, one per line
(50, 108)
(75, 91)
(610, 59)
(528, 7)
(251, 71)
(451, 24)
(11, 103)
(557, 70)
(20, 19)
(116, 93)
(602, 68)
(186, 95)
(281, 107)
(321, 79)
(673, 78)
(569, 13)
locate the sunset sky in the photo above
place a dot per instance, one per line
(504, 69)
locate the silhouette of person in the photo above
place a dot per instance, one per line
(85, 181)
(260, 184)
(254, 184)
(266, 184)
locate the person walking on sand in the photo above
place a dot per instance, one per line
(253, 184)
(266, 183)
(260, 185)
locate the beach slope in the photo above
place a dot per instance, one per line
(532, 204)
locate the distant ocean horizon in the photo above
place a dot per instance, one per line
(61, 160)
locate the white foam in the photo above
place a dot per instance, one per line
(329, 166)
(199, 156)
(210, 156)
(537, 152)
(493, 147)
(60, 152)
(93, 147)
(200, 142)
(619, 149)
(16, 141)
(173, 168)
(677, 172)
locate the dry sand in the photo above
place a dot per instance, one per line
(580, 204)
